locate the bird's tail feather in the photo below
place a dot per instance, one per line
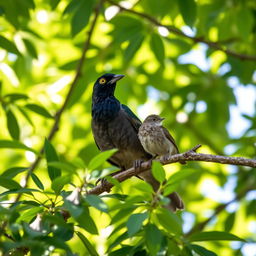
(176, 202)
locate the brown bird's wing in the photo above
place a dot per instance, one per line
(170, 138)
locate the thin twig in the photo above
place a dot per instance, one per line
(190, 155)
(59, 113)
(176, 31)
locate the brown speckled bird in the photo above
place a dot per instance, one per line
(157, 141)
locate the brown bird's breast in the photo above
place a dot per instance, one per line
(154, 141)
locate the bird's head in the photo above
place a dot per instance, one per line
(154, 120)
(105, 85)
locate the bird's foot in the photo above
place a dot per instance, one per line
(164, 158)
(137, 165)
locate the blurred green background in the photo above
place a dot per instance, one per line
(206, 95)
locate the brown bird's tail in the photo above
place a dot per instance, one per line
(176, 202)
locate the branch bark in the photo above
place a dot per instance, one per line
(190, 155)
(176, 31)
(58, 115)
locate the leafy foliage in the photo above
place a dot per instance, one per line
(156, 44)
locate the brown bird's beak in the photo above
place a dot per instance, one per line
(162, 119)
(116, 78)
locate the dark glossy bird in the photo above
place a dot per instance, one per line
(114, 125)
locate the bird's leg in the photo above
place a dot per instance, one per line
(137, 165)
(164, 157)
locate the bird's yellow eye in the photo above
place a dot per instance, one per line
(103, 81)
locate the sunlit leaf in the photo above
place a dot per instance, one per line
(153, 238)
(135, 221)
(169, 221)
(100, 159)
(12, 172)
(188, 11)
(37, 181)
(214, 236)
(157, 46)
(9, 183)
(81, 16)
(87, 244)
(158, 171)
(59, 182)
(15, 145)
(96, 202)
(8, 45)
(39, 110)
(51, 156)
(12, 125)
(202, 251)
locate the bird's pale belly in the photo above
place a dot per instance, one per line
(158, 146)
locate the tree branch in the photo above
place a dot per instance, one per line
(176, 31)
(190, 155)
(59, 113)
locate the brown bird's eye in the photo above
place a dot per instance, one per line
(103, 81)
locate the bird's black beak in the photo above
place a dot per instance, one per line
(162, 119)
(115, 79)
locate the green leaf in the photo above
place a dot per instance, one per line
(87, 222)
(178, 176)
(133, 47)
(202, 251)
(63, 166)
(81, 16)
(59, 182)
(30, 48)
(87, 244)
(153, 238)
(214, 236)
(26, 116)
(188, 11)
(29, 214)
(158, 171)
(244, 22)
(229, 222)
(51, 156)
(122, 214)
(8, 45)
(9, 183)
(135, 222)
(100, 159)
(37, 181)
(12, 172)
(12, 97)
(39, 110)
(16, 145)
(144, 187)
(157, 46)
(169, 221)
(12, 125)
(96, 202)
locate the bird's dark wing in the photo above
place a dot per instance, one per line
(169, 137)
(134, 120)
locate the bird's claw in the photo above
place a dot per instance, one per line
(137, 165)
(164, 158)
